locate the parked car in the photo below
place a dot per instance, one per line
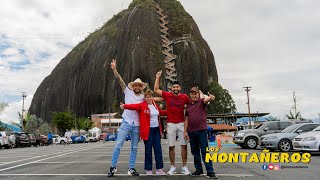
(309, 141)
(78, 139)
(111, 137)
(249, 138)
(4, 140)
(32, 139)
(102, 136)
(58, 139)
(44, 140)
(283, 140)
(22, 139)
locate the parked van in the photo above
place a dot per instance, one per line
(4, 140)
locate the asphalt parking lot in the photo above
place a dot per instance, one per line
(92, 160)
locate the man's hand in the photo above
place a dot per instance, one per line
(158, 75)
(212, 97)
(186, 136)
(113, 64)
(121, 106)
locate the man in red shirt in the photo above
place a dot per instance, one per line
(175, 102)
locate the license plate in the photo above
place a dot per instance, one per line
(296, 144)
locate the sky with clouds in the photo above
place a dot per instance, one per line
(269, 45)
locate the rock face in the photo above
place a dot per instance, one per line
(145, 38)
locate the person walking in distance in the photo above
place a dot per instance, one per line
(130, 123)
(195, 130)
(175, 102)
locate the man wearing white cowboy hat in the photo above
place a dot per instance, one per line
(130, 123)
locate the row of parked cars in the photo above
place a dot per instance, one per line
(20, 139)
(281, 135)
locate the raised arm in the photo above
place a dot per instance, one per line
(117, 75)
(209, 98)
(156, 84)
(136, 107)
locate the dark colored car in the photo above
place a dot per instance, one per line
(32, 139)
(22, 139)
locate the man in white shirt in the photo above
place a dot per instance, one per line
(130, 123)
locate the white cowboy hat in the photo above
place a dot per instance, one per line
(137, 81)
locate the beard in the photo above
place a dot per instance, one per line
(137, 91)
(176, 91)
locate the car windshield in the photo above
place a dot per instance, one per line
(317, 129)
(290, 128)
(258, 126)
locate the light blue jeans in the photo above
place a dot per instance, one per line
(126, 128)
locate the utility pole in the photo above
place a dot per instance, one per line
(24, 95)
(248, 89)
(294, 103)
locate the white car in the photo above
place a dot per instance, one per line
(309, 141)
(56, 139)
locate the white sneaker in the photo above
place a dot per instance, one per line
(173, 170)
(185, 171)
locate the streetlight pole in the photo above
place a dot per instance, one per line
(24, 95)
(248, 89)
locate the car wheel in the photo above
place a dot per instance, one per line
(285, 145)
(62, 142)
(251, 142)
(7, 147)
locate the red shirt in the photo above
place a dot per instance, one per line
(175, 106)
(197, 116)
(144, 117)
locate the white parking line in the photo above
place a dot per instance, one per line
(97, 162)
(230, 175)
(43, 159)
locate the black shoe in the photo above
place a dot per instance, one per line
(197, 173)
(133, 172)
(211, 175)
(112, 171)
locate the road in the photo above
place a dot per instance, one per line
(92, 160)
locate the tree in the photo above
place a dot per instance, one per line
(31, 124)
(223, 103)
(84, 123)
(63, 120)
(294, 116)
(44, 128)
(3, 105)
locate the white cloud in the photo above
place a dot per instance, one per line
(270, 45)
(10, 113)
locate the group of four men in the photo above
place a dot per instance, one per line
(191, 126)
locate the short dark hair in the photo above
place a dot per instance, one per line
(175, 82)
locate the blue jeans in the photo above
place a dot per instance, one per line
(126, 128)
(154, 141)
(199, 143)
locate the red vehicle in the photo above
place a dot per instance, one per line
(44, 140)
(102, 136)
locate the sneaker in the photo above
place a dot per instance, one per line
(112, 171)
(211, 175)
(149, 173)
(133, 172)
(173, 170)
(197, 173)
(160, 172)
(184, 170)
